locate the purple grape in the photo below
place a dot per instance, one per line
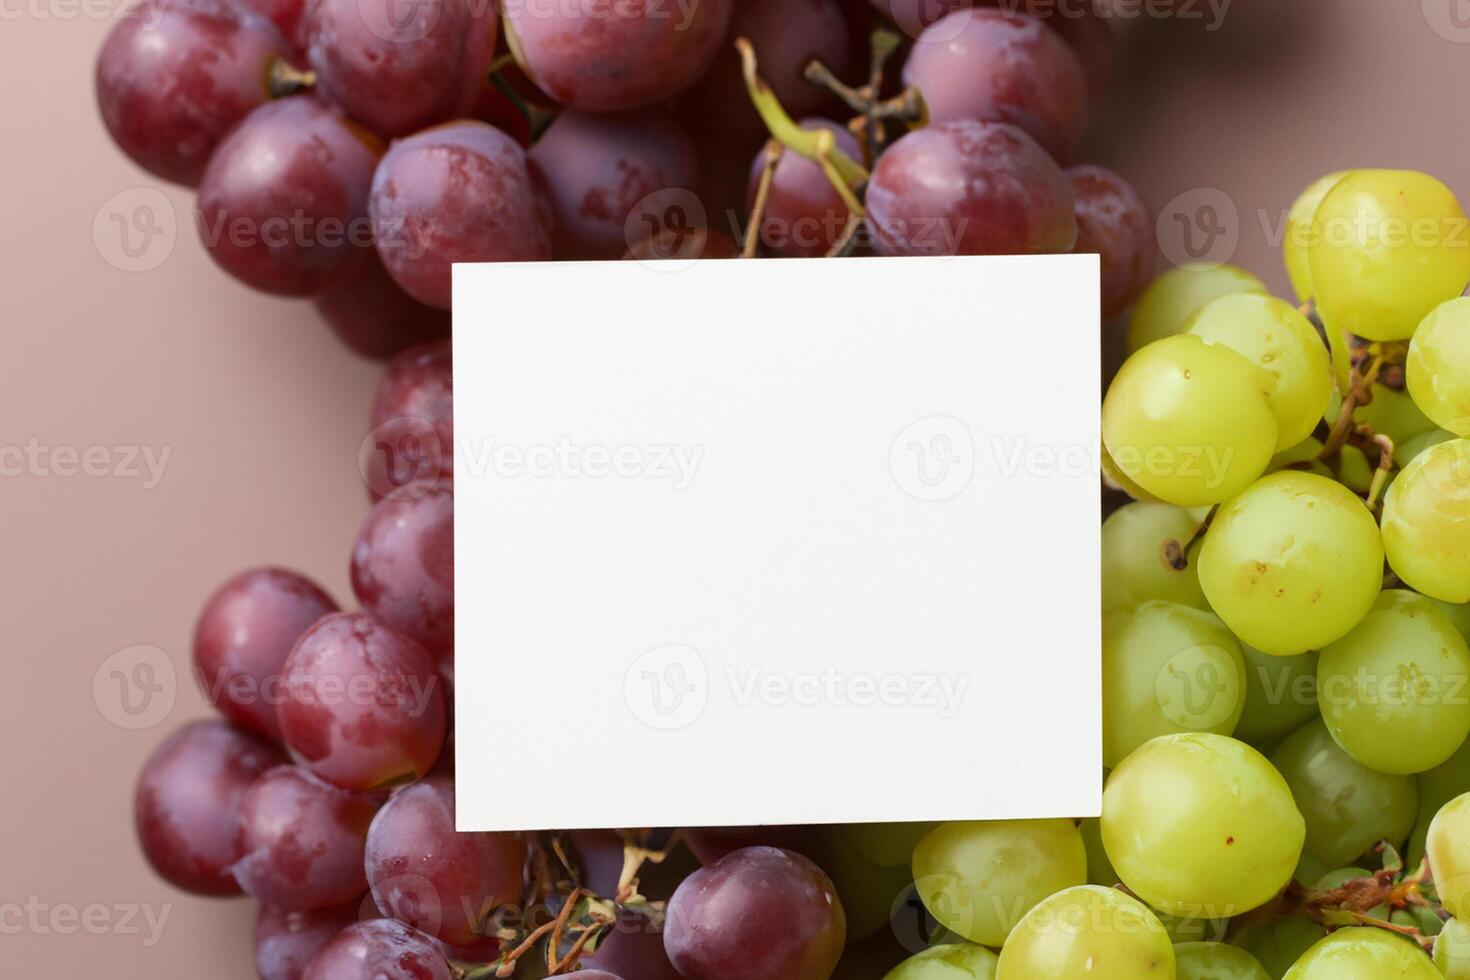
(970, 188)
(403, 567)
(760, 913)
(804, 214)
(597, 170)
(412, 423)
(634, 948)
(186, 803)
(364, 705)
(615, 55)
(286, 941)
(173, 78)
(397, 67)
(373, 316)
(283, 203)
(1114, 222)
(383, 949)
(443, 883)
(456, 193)
(999, 67)
(710, 844)
(786, 35)
(300, 840)
(289, 19)
(242, 639)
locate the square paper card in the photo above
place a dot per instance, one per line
(776, 542)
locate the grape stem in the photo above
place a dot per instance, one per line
(1175, 555)
(770, 157)
(283, 79)
(908, 107)
(1364, 438)
(1360, 393)
(844, 245)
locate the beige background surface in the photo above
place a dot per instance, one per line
(261, 411)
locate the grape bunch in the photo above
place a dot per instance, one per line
(351, 151)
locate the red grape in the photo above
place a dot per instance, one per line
(286, 941)
(373, 316)
(786, 35)
(403, 567)
(301, 839)
(456, 193)
(1113, 222)
(804, 214)
(243, 637)
(174, 77)
(633, 948)
(383, 949)
(999, 67)
(970, 188)
(283, 203)
(397, 67)
(914, 16)
(364, 705)
(615, 55)
(186, 803)
(412, 423)
(444, 883)
(598, 169)
(760, 913)
(710, 844)
(288, 16)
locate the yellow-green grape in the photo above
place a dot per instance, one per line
(1273, 334)
(1303, 454)
(887, 844)
(1279, 943)
(1449, 855)
(1293, 563)
(1452, 951)
(1190, 422)
(1390, 246)
(1134, 566)
(1406, 452)
(1099, 868)
(1088, 933)
(1301, 232)
(1393, 692)
(1348, 807)
(1364, 954)
(868, 891)
(1192, 928)
(1216, 961)
(1436, 788)
(1202, 825)
(1114, 477)
(1426, 523)
(979, 878)
(953, 961)
(1280, 695)
(1167, 668)
(1174, 297)
(1439, 366)
(1353, 469)
(1308, 871)
(1458, 613)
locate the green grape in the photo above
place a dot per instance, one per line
(1114, 477)
(1308, 871)
(1393, 692)
(1293, 563)
(1301, 232)
(886, 844)
(1133, 564)
(1364, 954)
(1405, 453)
(1088, 933)
(1348, 807)
(1273, 334)
(1439, 366)
(868, 891)
(1452, 951)
(955, 961)
(1390, 245)
(1167, 668)
(1279, 943)
(1190, 422)
(979, 878)
(1449, 855)
(1458, 613)
(1426, 523)
(1391, 413)
(1192, 928)
(1201, 824)
(1174, 297)
(1280, 695)
(1099, 868)
(1353, 469)
(1437, 787)
(1216, 961)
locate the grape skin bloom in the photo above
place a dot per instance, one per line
(1426, 522)
(1363, 954)
(1088, 933)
